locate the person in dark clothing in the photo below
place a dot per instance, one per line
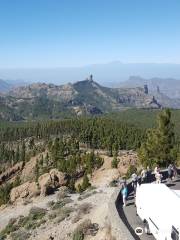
(148, 175)
(174, 169)
(170, 172)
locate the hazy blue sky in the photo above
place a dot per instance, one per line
(52, 33)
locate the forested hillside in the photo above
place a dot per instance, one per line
(145, 118)
(60, 142)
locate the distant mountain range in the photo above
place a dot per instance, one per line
(168, 86)
(4, 86)
(40, 100)
(7, 85)
(105, 74)
(87, 97)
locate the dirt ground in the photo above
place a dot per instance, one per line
(97, 198)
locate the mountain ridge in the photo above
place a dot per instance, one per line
(85, 97)
(167, 86)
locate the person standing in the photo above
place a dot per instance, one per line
(174, 169)
(170, 172)
(124, 193)
(134, 178)
(143, 175)
(158, 176)
(148, 173)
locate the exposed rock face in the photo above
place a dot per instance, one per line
(126, 159)
(48, 182)
(46, 185)
(28, 172)
(23, 191)
(136, 97)
(146, 90)
(10, 172)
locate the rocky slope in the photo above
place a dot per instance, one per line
(59, 215)
(42, 100)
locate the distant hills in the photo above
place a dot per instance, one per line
(40, 100)
(4, 86)
(106, 74)
(7, 85)
(166, 91)
(168, 86)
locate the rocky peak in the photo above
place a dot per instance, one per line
(146, 90)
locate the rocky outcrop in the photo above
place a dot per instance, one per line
(11, 172)
(23, 191)
(46, 185)
(28, 172)
(48, 182)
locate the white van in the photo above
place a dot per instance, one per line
(159, 208)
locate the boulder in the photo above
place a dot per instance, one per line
(48, 182)
(45, 184)
(58, 178)
(23, 191)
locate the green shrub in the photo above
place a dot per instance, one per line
(78, 235)
(114, 163)
(5, 193)
(132, 169)
(37, 213)
(11, 227)
(82, 229)
(85, 183)
(58, 204)
(20, 235)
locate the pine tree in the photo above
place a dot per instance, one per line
(17, 154)
(23, 153)
(158, 147)
(85, 183)
(114, 163)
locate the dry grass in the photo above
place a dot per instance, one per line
(85, 228)
(82, 210)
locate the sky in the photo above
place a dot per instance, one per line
(66, 33)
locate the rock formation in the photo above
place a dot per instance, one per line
(48, 182)
(23, 191)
